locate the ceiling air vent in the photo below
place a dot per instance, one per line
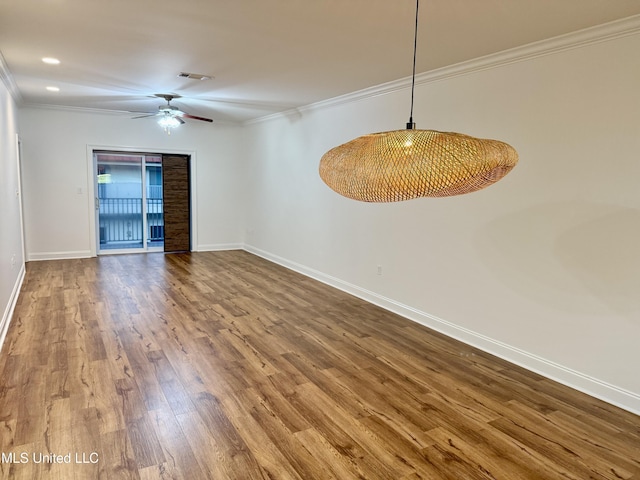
(194, 76)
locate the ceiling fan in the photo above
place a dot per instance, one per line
(169, 115)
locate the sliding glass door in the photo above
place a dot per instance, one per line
(129, 202)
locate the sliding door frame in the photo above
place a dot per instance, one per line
(92, 193)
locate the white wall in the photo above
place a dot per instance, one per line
(11, 256)
(57, 201)
(542, 268)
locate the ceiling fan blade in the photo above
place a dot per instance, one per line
(179, 119)
(145, 115)
(194, 117)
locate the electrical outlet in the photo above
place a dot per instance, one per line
(379, 269)
(13, 260)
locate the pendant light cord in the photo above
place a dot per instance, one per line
(411, 125)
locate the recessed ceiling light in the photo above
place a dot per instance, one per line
(51, 60)
(53, 89)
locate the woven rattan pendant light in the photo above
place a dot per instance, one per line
(410, 163)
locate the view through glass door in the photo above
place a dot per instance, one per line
(129, 202)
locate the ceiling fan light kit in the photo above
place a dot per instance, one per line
(168, 121)
(405, 164)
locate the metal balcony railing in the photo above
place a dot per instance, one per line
(121, 220)
(155, 220)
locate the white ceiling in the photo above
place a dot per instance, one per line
(266, 56)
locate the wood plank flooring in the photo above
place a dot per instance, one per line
(225, 366)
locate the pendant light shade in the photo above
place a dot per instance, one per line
(405, 164)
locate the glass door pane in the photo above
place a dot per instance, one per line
(119, 203)
(154, 202)
(129, 202)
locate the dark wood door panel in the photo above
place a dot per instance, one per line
(177, 211)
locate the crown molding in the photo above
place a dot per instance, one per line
(100, 111)
(69, 108)
(581, 38)
(7, 79)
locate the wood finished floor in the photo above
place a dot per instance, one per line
(225, 366)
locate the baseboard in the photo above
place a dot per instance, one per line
(41, 256)
(13, 299)
(36, 257)
(612, 394)
(219, 247)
